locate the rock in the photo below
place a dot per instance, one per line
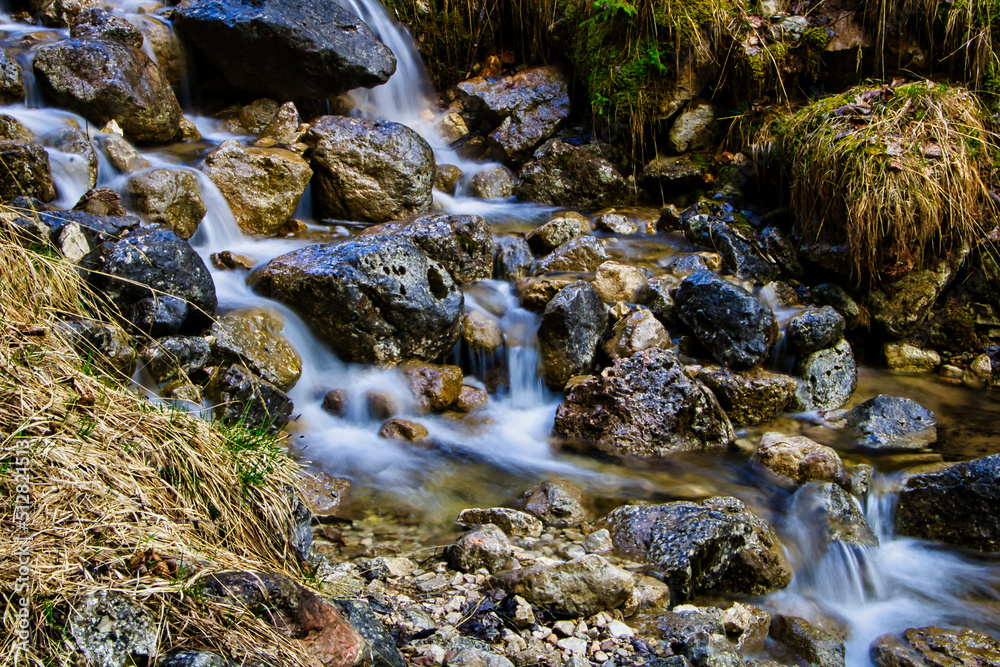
(452, 126)
(11, 129)
(285, 126)
(263, 186)
(900, 306)
(814, 329)
(510, 521)
(473, 657)
(381, 404)
(369, 171)
(584, 253)
(571, 328)
(557, 502)
(657, 295)
(674, 174)
(168, 197)
(165, 44)
(733, 324)
(549, 236)
(372, 299)
(155, 280)
(101, 202)
(829, 377)
(697, 636)
(485, 546)
(95, 23)
(404, 430)
(194, 659)
(536, 294)
(581, 587)
(470, 399)
(749, 623)
(75, 143)
(812, 644)
(481, 332)
(513, 259)
(379, 648)
(446, 178)
(619, 282)
(111, 630)
(935, 646)
(959, 505)
(750, 397)
(254, 117)
(286, 50)
(831, 294)
(174, 357)
(575, 176)
(38, 224)
(251, 336)
(228, 260)
(246, 399)
(832, 516)
(796, 459)
(121, 154)
(599, 542)
(11, 85)
(26, 172)
(739, 254)
(616, 223)
(106, 81)
(909, 358)
(776, 245)
(493, 182)
(335, 402)
(434, 387)
(527, 107)
(696, 127)
(104, 345)
(463, 244)
(645, 406)
(636, 332)
(892, 422)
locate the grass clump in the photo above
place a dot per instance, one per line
(893, 171)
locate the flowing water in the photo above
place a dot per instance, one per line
(900, 583)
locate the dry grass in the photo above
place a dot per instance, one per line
(895, 171)
(124, 496)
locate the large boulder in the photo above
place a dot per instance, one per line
(26, 172)
(155, 281)
(646, 406)
(463, 244)
(286, 50)
(935, 646)
(565, 175)
(571, 328)
(750, 397)
(105, 81)
(262, 185)
(11, 84)
(372, 299)
(580, 587)
(369, 171)
(170, 197)
(733, 324)
(959, 505)
(252, 336)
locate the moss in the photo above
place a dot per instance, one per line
(817, 37)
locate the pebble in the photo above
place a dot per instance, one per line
(564, 628)
(619, 630)
(435, 583)
(573, 645)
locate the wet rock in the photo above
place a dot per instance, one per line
(155, 280)
(797, 459)
(40, 225)
(463, 244)
(433, 387)
(750, 397)
(286, 50)
(959, 505)
(381, 404)
(373, 299)
(404, 430)
(104, 345)
(446, 178)
(935, 646)
(812, 644)
(481, 332)
(674, 174)
(228, 260)
(252, 336)
(11, 129)
(814, 329)
(696, 127)
(470, 399)
(832, 515)
(95, 23)
(584, 253)
(452, 126)
(734, 325)
(379, 648)
(645, 406)
(899, 307)
(285, 126)
(697, 636)
(536, 294)
(513, 259)
(616, 223)
(510, 521)
(26, 172)
(577, 176)
(619, 282)
(549, 236)
(776, 245)
(739, 254)
(369, 171)
(194, 659)
(527, 108)
(173, 357)
(909, 358)
(168, 197)
(111, 630)
(75, 143)
(494, 182)
(557, 502)
(571, 328)
(165, 43)
(657, 295)
(831, 294)
(829, 377)
(11, 85)
(485, 546)
(263, 186)
(106, 81)
(581, 587)
(892, 422)
(749, 624)
(634, 333)
(121, 154)
(101, 202)
(246, 399)
(335, 402)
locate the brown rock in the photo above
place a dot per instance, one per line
(470, 399)
(381, 404)
(434, 387)
(636, 332)
(798, 459)
(403, 429)
(557, 502)
(335, 402)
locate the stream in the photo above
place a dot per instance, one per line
(484, 462)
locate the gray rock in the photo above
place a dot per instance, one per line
(369, 171)
(549, 236)
(252, 336)
(959, 505)
(485, 546)
(581, 587)
(472, 657)
(814, 645)
(302, 536)
(583, 253)
(829, 377)
(900, 306)
(637, 331)
(106, 81)
(698, 636)
(96, 23)
(571, 328)
(814, 329)
(11, 85)
(645, 406)
(513, 259)
(40, 225)
(657, 295)
(695, 128)
(26, 172)
(246, 399)
(194, 659)
(616, 223)
(493, 182)
(286, 50)
(892, 422)
(576, 176)
(168, 197)
(74, 142)
(832, 515)
(831, 294)
(557, 502)
(111, 630)
(104, 345)
(172, 357)
(121, 154)
(750, 397)
(373, 299)
(935, 646)
(734, 325)
(510, 521)
(739, 254)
